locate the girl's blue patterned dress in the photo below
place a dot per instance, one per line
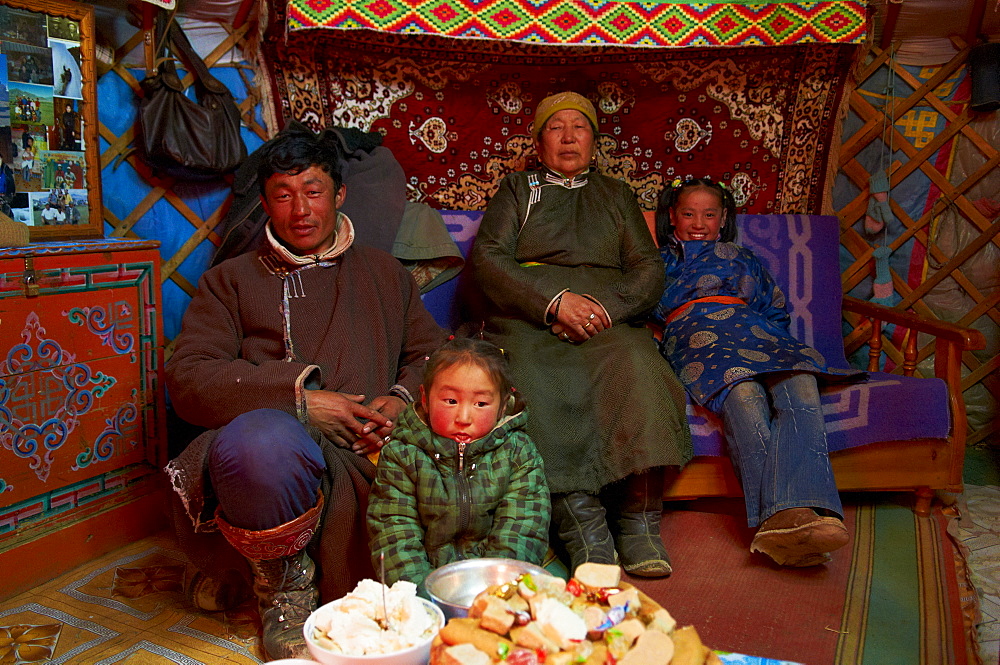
(712, 345)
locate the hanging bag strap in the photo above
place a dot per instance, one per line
(180, 45)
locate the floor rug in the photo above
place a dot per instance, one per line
(893, 596)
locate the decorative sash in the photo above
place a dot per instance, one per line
(725, 300)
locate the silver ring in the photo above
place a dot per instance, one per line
(564, 336)
(386, 439)
(592, 316)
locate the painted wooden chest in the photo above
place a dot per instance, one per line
(82, 429)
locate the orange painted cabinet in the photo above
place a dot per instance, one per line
(82, 429)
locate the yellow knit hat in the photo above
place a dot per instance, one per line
(560, 101)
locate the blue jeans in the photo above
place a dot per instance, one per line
(265, 469)
(777, 441)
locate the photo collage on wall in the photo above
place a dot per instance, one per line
(42, 162)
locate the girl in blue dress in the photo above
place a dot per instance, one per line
(726, 335)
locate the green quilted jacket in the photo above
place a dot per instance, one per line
(432, 504)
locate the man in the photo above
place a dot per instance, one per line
(300, 356)
(49, 214)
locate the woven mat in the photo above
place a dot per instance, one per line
(898, 593)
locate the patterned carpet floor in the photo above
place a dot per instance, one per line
(128, 607)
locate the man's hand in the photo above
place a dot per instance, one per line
(348, 423)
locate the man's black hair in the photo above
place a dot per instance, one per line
(295, 150)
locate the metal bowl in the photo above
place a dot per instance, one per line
(454, 586)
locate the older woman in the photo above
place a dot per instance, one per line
(567, 268)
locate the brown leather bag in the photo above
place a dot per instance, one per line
(182, 138)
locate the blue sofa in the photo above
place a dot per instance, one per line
(893, 431)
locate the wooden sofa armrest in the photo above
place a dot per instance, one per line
(968, 339)
(950, 341)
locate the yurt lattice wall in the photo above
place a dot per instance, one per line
(915, 125)
(138, 204)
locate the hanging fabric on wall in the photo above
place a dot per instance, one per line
(459, 119)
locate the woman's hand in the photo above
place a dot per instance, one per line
(579, 319)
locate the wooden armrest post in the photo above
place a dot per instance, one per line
(948, 366)
(910, 353)
(875, 345)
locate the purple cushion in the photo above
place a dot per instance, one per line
(856, 413)
(802, 252)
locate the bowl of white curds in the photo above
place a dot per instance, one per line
(374, 624)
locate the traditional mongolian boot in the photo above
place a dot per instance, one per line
(583, 528)
(638, 534)
(283, 579)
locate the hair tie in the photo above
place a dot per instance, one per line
(451, 338)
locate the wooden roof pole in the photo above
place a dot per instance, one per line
(149, 36)
(243, 12)
(892, 15)
(975, 22)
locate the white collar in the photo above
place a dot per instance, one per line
(342, 239)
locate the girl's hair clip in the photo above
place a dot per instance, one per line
(723, 185)
(677, 182)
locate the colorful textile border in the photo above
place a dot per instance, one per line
(595, 22)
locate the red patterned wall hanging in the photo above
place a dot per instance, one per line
(457, 113)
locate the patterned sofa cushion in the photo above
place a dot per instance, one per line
(803, 254)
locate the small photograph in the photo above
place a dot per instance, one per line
(66, 70)
(27, 144)
(66, 206)
(65, 133)
(8, 151)
(27, 63)
(31, 104)
(4, 93)
(62, 169)
(8, 185)
(18, 25)
(20, 208)
(64, 28)
(37, 203)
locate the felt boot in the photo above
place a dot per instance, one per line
(799, 537)
(283, 579)
(638, 535)
(583, 528)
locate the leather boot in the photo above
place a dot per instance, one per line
(283, 579)
(638, 534)
(583, 528)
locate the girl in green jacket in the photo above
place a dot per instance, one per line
(460, 479)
